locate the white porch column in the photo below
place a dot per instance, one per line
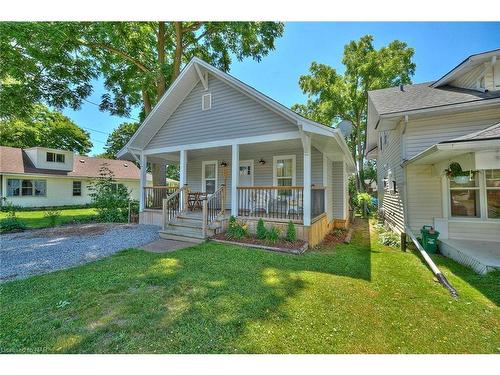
(235, 174)
(182, 174)
(142, 180)
(306, 143)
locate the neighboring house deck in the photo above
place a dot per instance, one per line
(416, 131)
(43, 177)
(240, 153)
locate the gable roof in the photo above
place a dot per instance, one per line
(465, 66)
(399, 99)
(16, 161)
(192, 73)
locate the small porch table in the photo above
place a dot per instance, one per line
(194, 200)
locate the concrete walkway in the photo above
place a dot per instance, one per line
(165, 246)
(481, 256)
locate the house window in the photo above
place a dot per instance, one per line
(114, 187)
(52, 157)
(284, 173)
(209, 176)
(492, 178)
(464, 198)
(13, 188)
(26, 188)
(77, 188)
(206, 102)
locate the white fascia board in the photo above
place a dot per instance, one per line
(227, 142)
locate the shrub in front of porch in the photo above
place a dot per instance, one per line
(238, 231)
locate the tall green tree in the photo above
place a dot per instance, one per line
(56, 62)
(119, 138)
(44, 128)
(333, 96)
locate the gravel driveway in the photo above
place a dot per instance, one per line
(40, 251)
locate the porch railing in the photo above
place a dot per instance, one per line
(171, 206)
(213, 208)
(154, 196)
(317, 201)
(274, 202)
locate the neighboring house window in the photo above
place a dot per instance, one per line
(209, 176)
(26, 188)
(394, 187)
(114, 187)
(52, 157)
(464, 198)
(492, 178)
(77, 188)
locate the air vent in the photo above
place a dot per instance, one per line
(206, 102)
(82, 161)
(125, 165)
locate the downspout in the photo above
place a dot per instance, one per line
(439, 275)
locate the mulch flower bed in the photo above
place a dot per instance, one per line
(335, 237)
(297, 246)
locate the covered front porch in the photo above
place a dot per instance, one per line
(278, 180)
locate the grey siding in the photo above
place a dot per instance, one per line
(424, 133)
(329, 191)
(389, 164)
(339, 198)
(233, 115)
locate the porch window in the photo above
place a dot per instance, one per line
(464, 198)
(209, 182)
(284, 172)
(492, 177)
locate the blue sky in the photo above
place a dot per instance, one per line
(438, 48)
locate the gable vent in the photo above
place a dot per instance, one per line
(206, 102)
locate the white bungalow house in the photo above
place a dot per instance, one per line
(44, 177)
(240, 153)
(416, 131)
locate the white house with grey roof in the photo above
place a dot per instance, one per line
(239, 153)
(416, 131)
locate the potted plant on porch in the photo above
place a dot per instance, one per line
(455, 173)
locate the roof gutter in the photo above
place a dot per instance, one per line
(440, 108)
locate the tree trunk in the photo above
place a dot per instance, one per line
(176, 66)
(160, 77)
(147, 101)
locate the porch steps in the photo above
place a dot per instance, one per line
(186, 227)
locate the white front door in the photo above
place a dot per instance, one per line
(246, 173)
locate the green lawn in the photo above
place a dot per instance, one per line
(35, 219)
(357, 298)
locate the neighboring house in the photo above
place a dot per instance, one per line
(272, 162)
(42, 177)
(416, 131)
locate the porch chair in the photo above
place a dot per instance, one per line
(259, 200)
(293, 205)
